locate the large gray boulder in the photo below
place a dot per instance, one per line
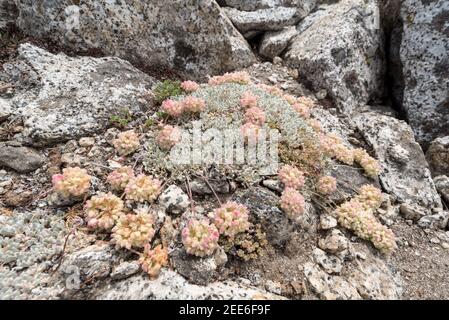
(424, 58)
(339, 49)
(192, 36)
(405, 175)
(60, 98)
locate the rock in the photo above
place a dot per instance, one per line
(329, 287)
(264, 19)
(263, 206)
(273, 43)
(330, 264)
(438, 156)
(422, 54)
(19, 158)
(197, 270)
(334, 242)
(5, 109)
(348, 66)
(8, 13)
(273, 185)
(327, 222)
(73, 97)
(253, 5)
(442, 185)
(171, 285)
(93, 262)
(125, 270)
(86, 142)
(174, 200)
(405, 173)
(199, 186)
(434, 221)
(413, 212)
(192, 36)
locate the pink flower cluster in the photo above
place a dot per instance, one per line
(250, 131)
(357, 215)
(292, 202)
(241, 77)
(306, 101)
(152, 260)
(326, 185)
(188, 104)
(291, 177)
(302, 110)
(370, 197)
(255, 116)
(126, 143)
(133, 230)
(290, 99)
(315, 124)
(231, 218)
(168, 137)
(119, 178)
(72, 182)
(271, 89)
(143, 188)
(369, 164)
(200, 238)
(102, 211)
(248, 100)
(189, 86)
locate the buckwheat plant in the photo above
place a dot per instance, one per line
(103, 210)
(72, 182)
(326, 185)
(119, 178)
(231, 218)
(291, 177)
(168, 136)
(152, 260)
(172, 108)
(143, 189)
(292, 202)
(200, 238)
(255, 116)
(133, 230)
(126, 143)
(189, 86)
(248, 100)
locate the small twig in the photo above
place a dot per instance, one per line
(63, 251)
(212, 189)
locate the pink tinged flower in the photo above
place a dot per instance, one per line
(173, 108)
(326, 185)
(241, 77)
(189, 86)
(200, 238)
(293, 203)
(255, 116)
(302, 110)
(143, 189)
(126, 143)
(306, 101)
(291, 177)
(248, 100)
(119, 178)
(315, 124)
(231, 218)
(152, 260)
(168, 137)
(72, 182)
(103, 210)
(133, 230)
(193, 104)
(289, 98)
(271, 89)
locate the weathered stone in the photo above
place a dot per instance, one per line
(434, 221)
(442, 185)
(125, 270)
(8, 13)
(327, 222)
(334, 242)
(253, 5)
(263, 206)
(329, 287)
(264, 19)
(192, 36)
(423, 54)
(392, 141)
(275, 42)
(5, 109)
(413, 212)
(170, 285)
(438, 156)
(330, 264)
(19, 158)
(348, 66)
(174, 200)
(72, 97)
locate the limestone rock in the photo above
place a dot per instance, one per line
(174, 200)
(5, 109)
(392, 140)
(19, 158)
(192, 36)
(69, 97)
(438, 156)
(338, 49)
